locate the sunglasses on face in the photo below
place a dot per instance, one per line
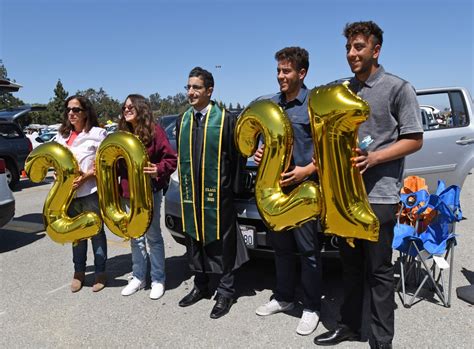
(194, 87)
(75, 110)
(129, 107)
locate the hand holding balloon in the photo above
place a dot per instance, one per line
(79, 180)
(257, 157)
(296, 175)
(151, 169)
(361, 160)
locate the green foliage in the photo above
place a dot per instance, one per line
(106, 107)
(170, 105)
(55, 108)
(7, 100)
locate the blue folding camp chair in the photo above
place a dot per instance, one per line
(424, 256)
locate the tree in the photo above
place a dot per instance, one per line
(7, 100)
(155, 101)
(170, 105)
(106, 107)
(55, 108)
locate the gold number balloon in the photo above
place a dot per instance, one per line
(340, 199)
(59, 226)
(127, 146)
(335, 115)
(278, 210)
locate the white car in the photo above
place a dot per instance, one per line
(7, 201)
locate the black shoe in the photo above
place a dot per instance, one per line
(379, 345)
(193, 297)
(221, 307)
(339, 334)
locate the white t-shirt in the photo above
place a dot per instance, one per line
(84, 148)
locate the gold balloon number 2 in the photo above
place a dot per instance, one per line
(62, 228)
(340, 198)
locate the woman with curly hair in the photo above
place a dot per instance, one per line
(137, 118)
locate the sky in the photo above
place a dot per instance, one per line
(139, 46)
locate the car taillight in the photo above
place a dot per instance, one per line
(2, 166)
(30, 145)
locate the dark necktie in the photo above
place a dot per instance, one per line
(198, 117)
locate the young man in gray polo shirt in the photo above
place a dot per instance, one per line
(395, 125)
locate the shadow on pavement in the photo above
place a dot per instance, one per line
(21, 231)
(26, 183)
(116, 267)
(468, 274)
(176, 268)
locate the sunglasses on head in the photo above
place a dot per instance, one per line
(74, 110)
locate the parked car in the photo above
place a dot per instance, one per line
(14, 148)
(447, 154)
(167, 120)
(46, 137)
(7, 200)
(171, 134)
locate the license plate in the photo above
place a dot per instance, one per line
(248, 232)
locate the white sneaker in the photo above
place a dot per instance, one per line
(133, 286)
(308, 323)
(274, 307)
(157, 290)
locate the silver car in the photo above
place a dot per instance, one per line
(7, 201)
(447, 154)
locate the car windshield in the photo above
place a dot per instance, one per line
(47, 136)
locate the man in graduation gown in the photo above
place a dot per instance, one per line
(210, 169)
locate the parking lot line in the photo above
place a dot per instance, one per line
(57, 289)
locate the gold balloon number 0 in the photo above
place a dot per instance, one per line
(340, 198)
(120, 145)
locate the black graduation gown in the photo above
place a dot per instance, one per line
(229, 252)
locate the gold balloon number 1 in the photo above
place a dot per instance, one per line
(62, 228)
(340, 199)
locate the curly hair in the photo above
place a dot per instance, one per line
(296, 55)
(365, 28)
(91, 116)
(145, 129)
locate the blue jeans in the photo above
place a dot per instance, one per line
(156, 246)
(89, 203)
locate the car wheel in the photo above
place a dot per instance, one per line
(12, 175)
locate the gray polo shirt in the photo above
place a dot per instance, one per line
(394, 111)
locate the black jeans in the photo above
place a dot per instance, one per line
(371, 263)
(303, 240)
(225, 286)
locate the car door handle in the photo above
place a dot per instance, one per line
(464, 141)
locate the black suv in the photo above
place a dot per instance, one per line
(14, 145)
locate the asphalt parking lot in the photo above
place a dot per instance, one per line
(37, 308)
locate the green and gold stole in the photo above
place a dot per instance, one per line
(210, 176)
